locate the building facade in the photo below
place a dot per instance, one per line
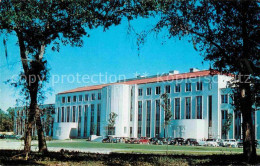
(200, 102)
(47, 119)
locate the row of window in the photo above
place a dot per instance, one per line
(80, 98)
(199, 87)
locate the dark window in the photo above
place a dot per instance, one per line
(177, 108)
(188, 107)
(58, 118)
(210, 111)
(86, 97)
(85, 120)
(157, 118)
(224, 114)
(74, 114)
(98, 119)
(140, 92)
(199, 85)
(224, 99)
(80, 97)
(79, 122)
(168, 89)
(62, 114)
(63, 100)
(139, 118)
(188, 87)
(199, 107)
(68, 114)
(177, 88)
(99, 96)
(93, 96)
(148, 118)
(148, 91)
(74, 98)
(158, 90)
(92, 124)
(68, 99)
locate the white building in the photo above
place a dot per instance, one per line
(200, 102)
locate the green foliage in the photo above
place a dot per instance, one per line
(227, 123)
(166, 105)
(7, 120)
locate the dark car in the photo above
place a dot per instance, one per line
(153, 140)
(2, 136)
(132, 141)
(107, 139)
(191, 141)
(177, 141)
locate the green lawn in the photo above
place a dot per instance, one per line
(137, 148)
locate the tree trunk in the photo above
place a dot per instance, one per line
(249, 149)
(28, 132)
(41, 138)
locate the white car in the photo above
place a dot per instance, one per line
(212, 142)
(230, 143)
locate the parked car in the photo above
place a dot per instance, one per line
(2, 136)
(177, 141)
(212, 142)
(240, 143)
(107, 139)
(132, 141)
(144, 140)
(191, 141)
(153, 140)
(229, 143)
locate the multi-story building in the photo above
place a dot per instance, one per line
(47, 119)
(200, 102)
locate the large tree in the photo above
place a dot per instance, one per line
(227, 33)
(39, 24)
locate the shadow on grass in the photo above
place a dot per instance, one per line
(15, 157)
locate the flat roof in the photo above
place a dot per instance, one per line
(145, 80)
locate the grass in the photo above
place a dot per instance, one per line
(137, 148)
(16, 157)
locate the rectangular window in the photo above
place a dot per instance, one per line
(148, 118)
(178, 88)
(79, 122)
(131, 131)
(92, 124)
(68, 99)
(188, 107)
(157, 118)
(224, 99)
(188, 87)
(93, 96)
(139, 118)
(99, 96)
(85, 120)
(210, 110)
(199, 86)
(74, 114)
(140, 92)
(98, 118)
(148, 91)
(158, 90)
(62, 114)
(68, 114)
(224, 114)
(168, 89)
(199, 107)
(63, 99)
(86, 97)
(80, 97)
(74, 98)
(177, 107)
(58, 118)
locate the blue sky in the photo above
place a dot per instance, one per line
(113, 52)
